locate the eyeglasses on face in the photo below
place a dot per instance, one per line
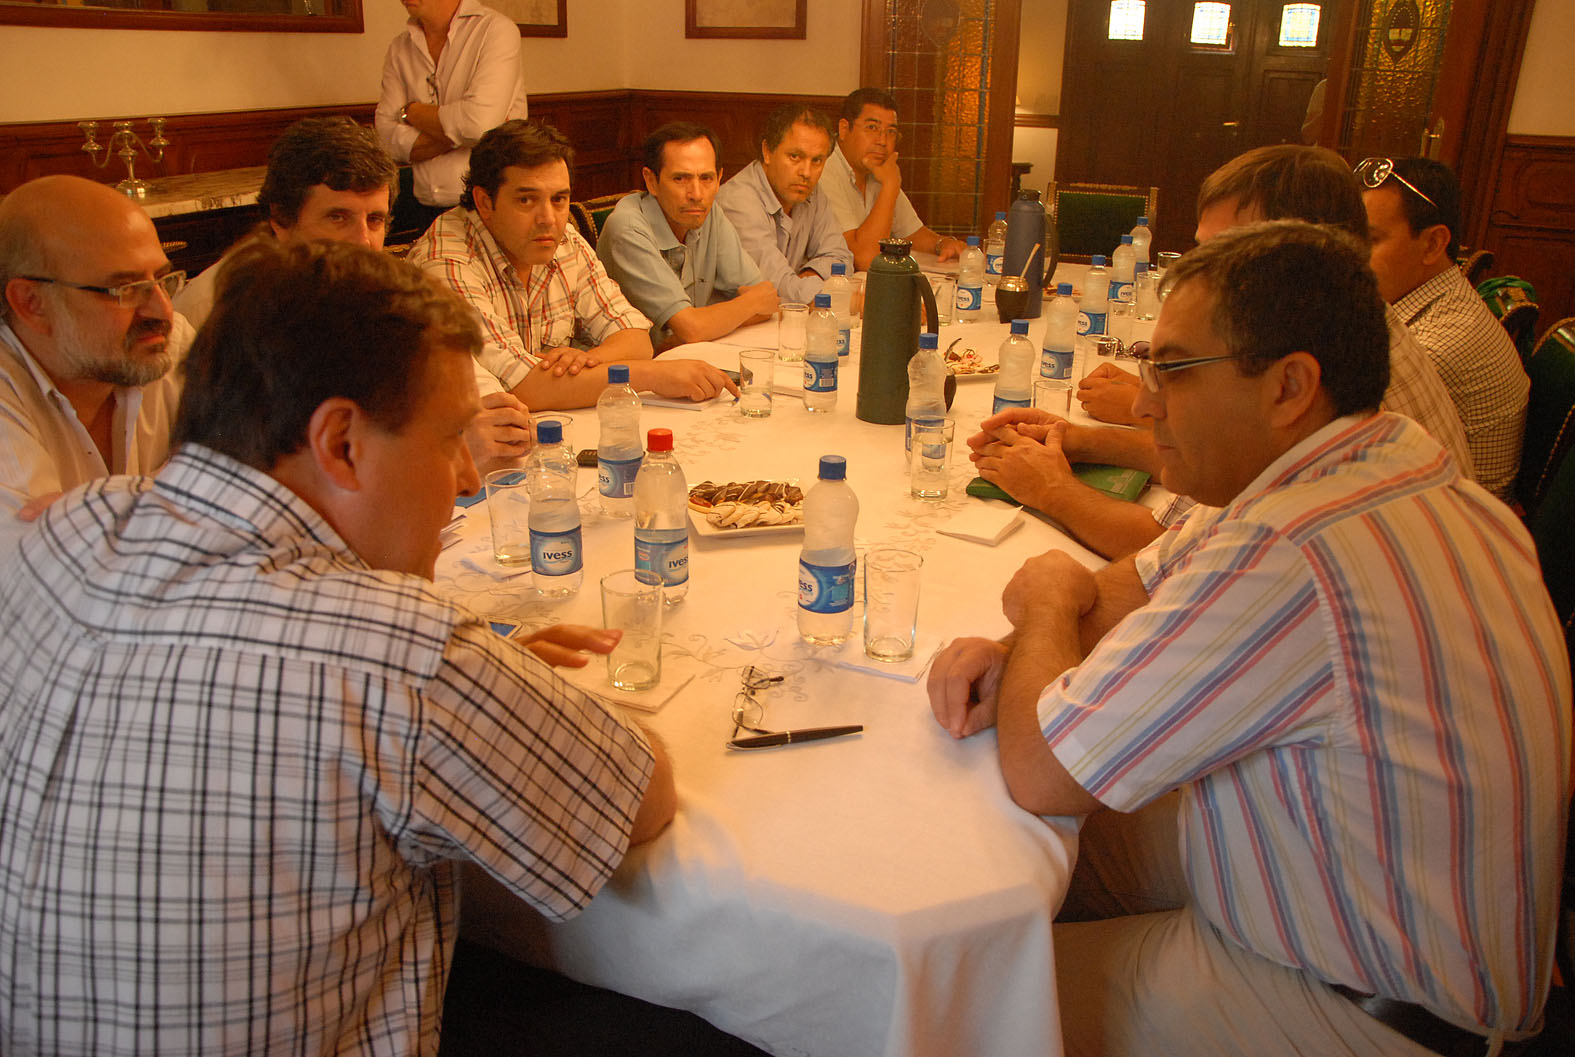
(127, 295)
(875, 130)
(747, 712)
(1372, 172)
(1150, 370)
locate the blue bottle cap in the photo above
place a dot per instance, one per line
(1143, 222)
(1000, 214)
(928, 340)
(550, 432)
(833, 468)
(1019, 326)
(838, 268)
(617, 374)
(1099, 260)
(973, 240)
(822, 300)
(1065, 289)
(1126, 240)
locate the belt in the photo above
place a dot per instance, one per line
(1421, 1026)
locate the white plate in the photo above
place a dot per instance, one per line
(705, 528)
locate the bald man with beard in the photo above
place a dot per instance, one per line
(89, 341)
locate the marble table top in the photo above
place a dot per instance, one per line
(202, 192)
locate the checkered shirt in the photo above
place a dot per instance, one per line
(237, 767)
(567, 300)
(1416, 391)
(1479, 366)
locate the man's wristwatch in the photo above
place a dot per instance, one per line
(404, 114)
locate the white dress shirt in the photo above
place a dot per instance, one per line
(477, 83)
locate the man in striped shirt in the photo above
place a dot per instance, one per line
(244, 743)
(1345, 662)
(550, 315)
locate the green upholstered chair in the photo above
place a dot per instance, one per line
(1514, 301)
(590, 216)
(1476, 266)
(1091, 218)
(1550, 416)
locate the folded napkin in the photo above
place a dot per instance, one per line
(477, 556)
(678, 671)
(988, 522)
(783, 644)
(907, 671)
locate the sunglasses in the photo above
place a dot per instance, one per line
(1372, 172)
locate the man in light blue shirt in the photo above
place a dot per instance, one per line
(679, 261)
(864, 185)
(786, 225)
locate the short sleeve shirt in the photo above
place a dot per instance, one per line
(852, 205)
(662, 276)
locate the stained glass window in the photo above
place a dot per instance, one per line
(1299, 26)
(1126, 19)
(1211, 24)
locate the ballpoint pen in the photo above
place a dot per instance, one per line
(791, 737)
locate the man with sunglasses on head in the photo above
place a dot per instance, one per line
(1413, 217)
(864, 185)
(1029, 452)
(89, 341)
(1329, 714)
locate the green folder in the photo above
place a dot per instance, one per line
(1118, 482)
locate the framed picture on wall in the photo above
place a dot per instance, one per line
(752, 19)
(536, 18)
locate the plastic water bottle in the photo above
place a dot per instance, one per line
(994, 248)
(1142, 238)
(1122, 268)
(820, 357)
(618, 450)
(661, 518)
(1061, 330)
(1145, 291)
(926, 386)
(970, 281)
(1014, 381)
(556, 552)
(827, 566)
(841, 291)
(1094, 309)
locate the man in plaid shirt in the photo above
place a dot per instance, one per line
(244, 743)
(550, 315)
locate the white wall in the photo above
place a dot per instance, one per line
(68, 74)
(1542, 106)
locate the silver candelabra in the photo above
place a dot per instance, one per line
(126, 143)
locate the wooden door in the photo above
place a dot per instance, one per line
(1205, 82)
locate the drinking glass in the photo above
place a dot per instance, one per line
(891, 603)
(632, 601)
(508, 509)
(790, 331)
(930, 456)
(756, 371)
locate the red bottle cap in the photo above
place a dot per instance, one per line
(659, 440)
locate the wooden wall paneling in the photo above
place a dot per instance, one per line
(1531, 226)
(597, 124)
(736, 119)
(1488, 98)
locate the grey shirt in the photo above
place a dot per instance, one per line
(783, 244)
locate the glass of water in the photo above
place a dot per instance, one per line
(930, 458)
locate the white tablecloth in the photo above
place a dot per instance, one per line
(867, 895)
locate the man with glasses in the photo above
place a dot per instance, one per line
(1413, 215)
(89, 341)
(865, 186)
(1329, 714)
(1029, 452)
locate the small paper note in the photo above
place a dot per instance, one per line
(987, 522)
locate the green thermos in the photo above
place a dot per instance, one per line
(894, 293)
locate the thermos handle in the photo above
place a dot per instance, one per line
(932, 314)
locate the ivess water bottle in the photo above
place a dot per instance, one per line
(618, 449)
(820, 357)
(661, 518)
(994, 248)
(1094, 309)
(926, 386)
(556, 557)
(1142, 238)
(1025, 229)
(827, 564)
(1122, 269)
(1061, 329)
(970, 281)
(1014, 381)
(841, 292)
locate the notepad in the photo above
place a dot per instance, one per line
(1118, 482)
